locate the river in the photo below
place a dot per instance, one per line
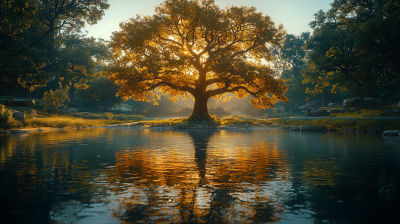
(119, 175)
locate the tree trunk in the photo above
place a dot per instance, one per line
(13, 91)
(200, 110)
(72, 93)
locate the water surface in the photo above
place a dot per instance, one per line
(105, 175)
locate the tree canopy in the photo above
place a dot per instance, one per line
(29, 30)
(355, 46)
(194, 47)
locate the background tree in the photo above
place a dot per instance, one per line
(101, 89)
(29, 32)
(79, 60)
(355, 46)
(195, 47)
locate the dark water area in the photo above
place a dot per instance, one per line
(104, 175)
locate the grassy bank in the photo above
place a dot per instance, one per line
(217, 121)
(342, 123)
(62, 121)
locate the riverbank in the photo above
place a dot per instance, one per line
(385, 126)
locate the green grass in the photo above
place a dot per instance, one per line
(66, 121)
(341, 123)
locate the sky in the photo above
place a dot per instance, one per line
(294, 15)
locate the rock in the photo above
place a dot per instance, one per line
(19, 116)
(310, 105)
(72, 110)
(307, 128)
(319, 112)
(334, 111)
(303, 112)
(30, 111)
(355, 101)
(371, 101)
(4, 132)
(21, 103)
(331, 105)
(394, 111)
(391, 133)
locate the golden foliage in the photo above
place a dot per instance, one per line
(195, 47)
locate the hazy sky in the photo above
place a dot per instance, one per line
(293, 14)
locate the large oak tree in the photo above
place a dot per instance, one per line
(194, 47)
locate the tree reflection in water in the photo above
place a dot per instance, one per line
(121, 175)
(217, 185)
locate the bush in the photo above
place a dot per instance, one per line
(108, 115)
(6, 118)
(56, 98)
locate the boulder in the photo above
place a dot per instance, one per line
(30, 111)
(21, 103)
(358, 101)
(371, 101)
(391, 133)
(334, 111)
(310, 105)
(319, 112)
(331, 105)
(307, 128)
(72, 110)
(19, 116)
(355, 101)
(303, 112)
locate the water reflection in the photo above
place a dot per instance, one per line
(199, 176)
(194, 184)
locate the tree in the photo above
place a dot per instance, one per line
(355, 46)
(28, 36)
(194, 47)
(101, 89)
(79, 60)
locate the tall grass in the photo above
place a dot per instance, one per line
(341, 123)
(66, 121)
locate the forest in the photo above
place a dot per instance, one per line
(352, 52)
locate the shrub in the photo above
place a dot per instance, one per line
(108, 115)
(56, 98)
(6, 118)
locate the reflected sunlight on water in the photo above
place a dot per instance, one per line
(200, 176)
